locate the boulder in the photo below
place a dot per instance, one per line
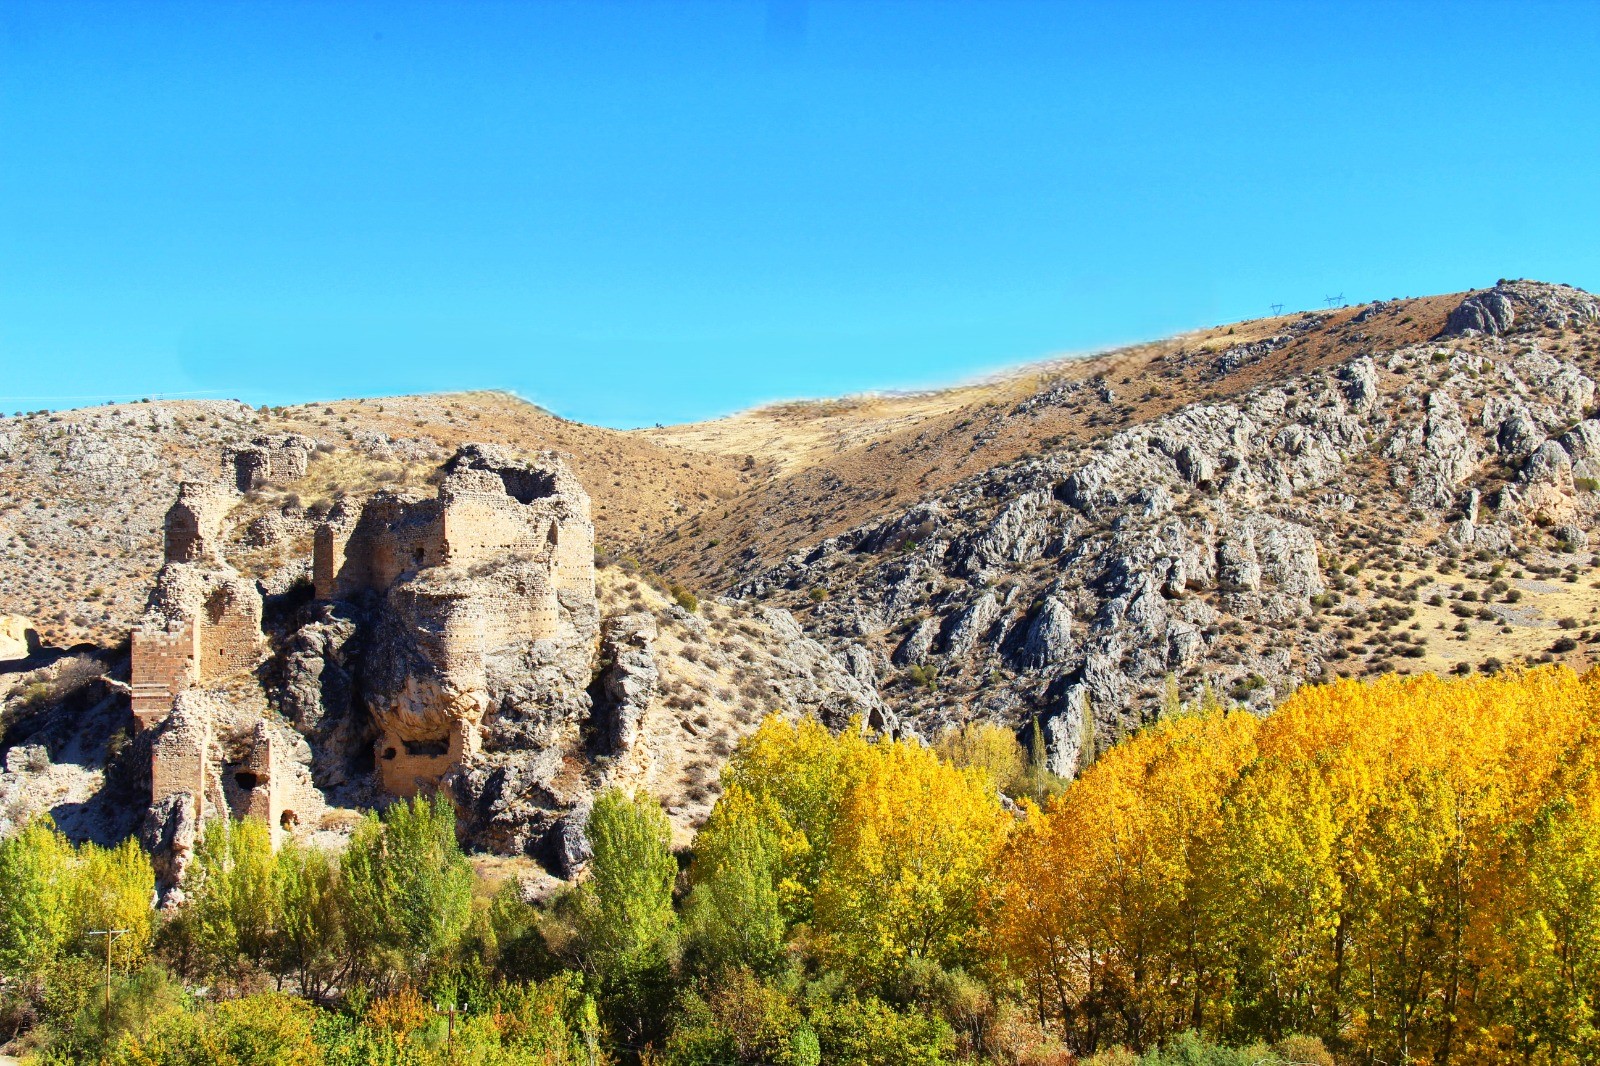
(1488, 312)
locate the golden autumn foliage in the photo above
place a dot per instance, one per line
(911, 850)
(885, 848)
(1407, 868)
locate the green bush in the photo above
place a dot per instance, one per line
(744, 1022)
(1191, 1049)
(868, 1032)
(78, 1027)
(271, 1029)
(1298, 1050)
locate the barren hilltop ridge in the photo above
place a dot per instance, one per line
(302, 612)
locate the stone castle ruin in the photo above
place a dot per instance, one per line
(448, 590)
(269, 459)
(480, 569)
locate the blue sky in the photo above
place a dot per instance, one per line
(633, 213)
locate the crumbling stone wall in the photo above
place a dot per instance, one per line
(500, 559)
(203, 620)
(281, 458)
(477, 569)
(180, 759)
(163, 665)
(194, 523)
(393, 534)
(230, 629)
(254, 786)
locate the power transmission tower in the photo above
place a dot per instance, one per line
(1277, 309)
(1331, 300)
(110, 935)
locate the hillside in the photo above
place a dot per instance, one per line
(1402, 486)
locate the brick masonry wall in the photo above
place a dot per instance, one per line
(163, 664)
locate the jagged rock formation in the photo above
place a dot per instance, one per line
(1203, 545)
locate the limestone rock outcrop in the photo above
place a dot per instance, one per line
(17, 637)
(631, 679)
(1203, 544)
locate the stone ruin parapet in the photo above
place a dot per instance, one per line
(280, 459)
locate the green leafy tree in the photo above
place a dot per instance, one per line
(405, 888)
(735, 909)
(36, 913)
(625, 911)
(232, 910)
(310, 942)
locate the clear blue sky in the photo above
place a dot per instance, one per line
(661, 211)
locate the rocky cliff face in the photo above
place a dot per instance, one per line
(1209, 545)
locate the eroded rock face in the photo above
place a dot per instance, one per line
(632, 678)
(15, 642)
(1049, 634)
(1513, 304)
(318, 691)
(169, 833)
(1194, 545)
(1490, 312)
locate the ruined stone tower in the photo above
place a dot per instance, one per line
(481, 567)
(203, 620)
(201, 629)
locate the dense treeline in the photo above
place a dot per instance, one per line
(1409, 869)
(1399, 871)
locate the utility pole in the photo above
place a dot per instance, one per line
(110, 935)
(450, 1028)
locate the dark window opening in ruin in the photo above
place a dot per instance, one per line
(428, 747)
(246, 780)
(525, 486)
(389, 753)
(417, 555)
(217, 606)
(288, 820)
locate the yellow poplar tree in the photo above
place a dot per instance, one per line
(908, 859)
